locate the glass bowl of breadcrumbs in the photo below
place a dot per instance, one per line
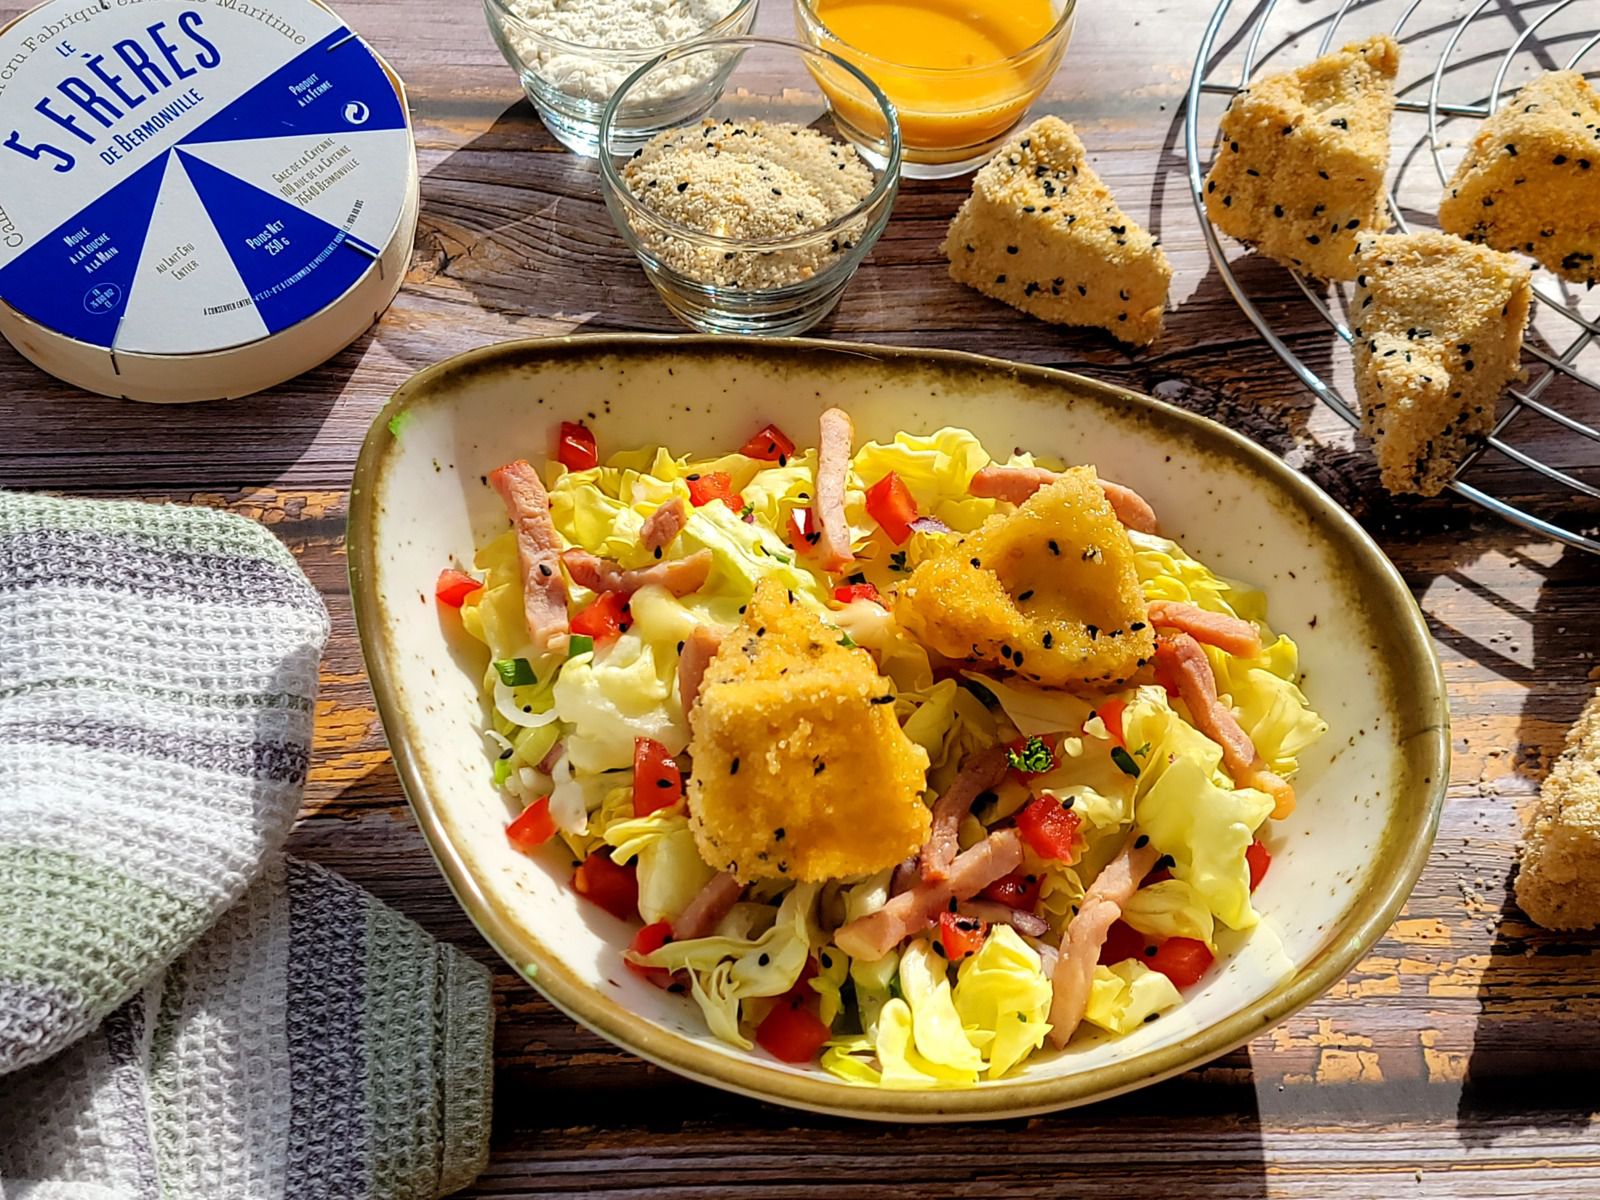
(751, 214)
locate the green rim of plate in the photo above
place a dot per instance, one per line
(1420, 782)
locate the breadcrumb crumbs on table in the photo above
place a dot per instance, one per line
(750, 181)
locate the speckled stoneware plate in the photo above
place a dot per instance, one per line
(1343, 864)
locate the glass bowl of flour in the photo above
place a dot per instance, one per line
(571, 55)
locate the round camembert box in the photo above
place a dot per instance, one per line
(198, 198)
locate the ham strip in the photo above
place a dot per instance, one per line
(1017, 484)
(663, 525)
(1012, 484)
(1231, 634)
(871, 937)
(981, 772)
(1132, 509)
(906, 876)
(1198, 688)
(710, 904)
(1086, 934)
(699, 648)
(833, 470)
(680, 576)
(544, 591)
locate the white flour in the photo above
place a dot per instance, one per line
(638, 26)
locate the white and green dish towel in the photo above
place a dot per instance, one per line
(185, 1012)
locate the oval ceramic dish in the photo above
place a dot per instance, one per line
(1370, 791)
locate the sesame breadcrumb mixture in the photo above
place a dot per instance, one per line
(753, 182)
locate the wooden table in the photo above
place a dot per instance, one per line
(1460, 1059)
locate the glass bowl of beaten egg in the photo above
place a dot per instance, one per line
(961, 75)
(751, 213)
(571, 55)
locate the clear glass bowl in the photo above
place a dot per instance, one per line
(569, 84)
(713, 274)
(953, 119)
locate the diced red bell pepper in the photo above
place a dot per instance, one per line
(612, 886)
(647, 941)
(453, 587)
(1110, 714)
(852, 592)
(770, 445)
(1182, 960)
(575, 448)
(961, 936)
(1016, 890)
(533, 827)
(891, 505)
(1123, 941)
(792, 1032)
(714, 485)
(604, 619)
(801, 988)
(803, 533)
(1050, 830)
(657, 782)
(1259, 860)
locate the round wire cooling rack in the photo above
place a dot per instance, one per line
(1540, 466)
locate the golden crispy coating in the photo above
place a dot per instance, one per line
(1043, 233)
(801, 770)
(1438, 337)
(1299, 173)
(1531, 178)
(1048, 591)
(1559, 883)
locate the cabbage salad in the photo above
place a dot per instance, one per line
(894, 758)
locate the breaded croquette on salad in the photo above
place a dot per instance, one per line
(789, 723)
(1047, 591)
(890, 757)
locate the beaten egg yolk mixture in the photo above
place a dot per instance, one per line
(946, 111)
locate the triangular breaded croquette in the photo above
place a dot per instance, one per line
(1438, 336)
(1558, 885)
(1531, 178)
(801, 769)
(1299, 172)
(1048, 592)
(1044, 234)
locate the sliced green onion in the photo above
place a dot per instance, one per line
(1035, 757)
(502, 771)
(579, 643)
(515, 672)
(1124, 761)
(846, 640)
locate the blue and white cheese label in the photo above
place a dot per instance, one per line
(184, 176)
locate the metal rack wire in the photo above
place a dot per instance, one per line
(1535, 29)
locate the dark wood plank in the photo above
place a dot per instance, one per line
(1457, 1060)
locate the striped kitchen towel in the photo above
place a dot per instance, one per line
(313, 1045)
(158, 667)
(175, 994)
